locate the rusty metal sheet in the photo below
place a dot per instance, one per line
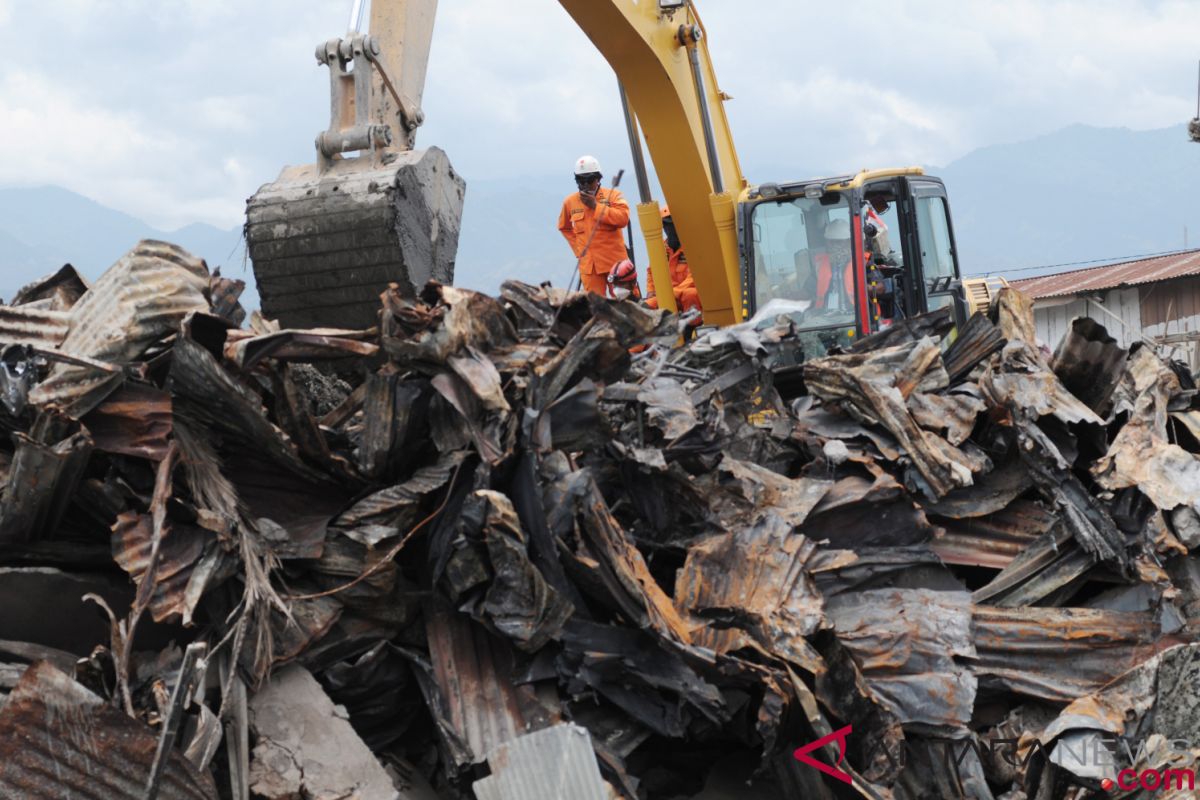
(1021, 381)
(1053, 563)
(135, 420)
(1164, 472)
(1140, 455)
(443, 323)
(140, 299)
(479, 373)
(1126, 273)
(977, 340)
(658, 684)
(876, 387)
(740, 491)
(1013, 311)
(58, 292)
(33, 326)
(991, 493)
(822, 422)
(224, 294)
(1089, 362)
(59, 740)
(516, 601)
(915, 647)
(491, 433)
(857, 513)
(994, 539)
(1146, 389)
(247, 350)
(933, 325)
(394, 424)
(752, 584)
(619, 567)
(45, 472)
(840, 571)
(1059, 654)
(952, 415)
(1083, 515)
(476, 700)
(188, 558)
(1162, 686)
(400, 506)
(596, 352)
(668, 407)
(208, 395)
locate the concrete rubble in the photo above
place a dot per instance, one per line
(527, 546)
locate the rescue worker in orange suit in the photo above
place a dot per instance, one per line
(593, 222)
(828, 293)
(687, 296)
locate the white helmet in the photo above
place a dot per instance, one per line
(587, 165)
(839, 229)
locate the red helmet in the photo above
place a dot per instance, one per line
(623, 272)
(622, 282)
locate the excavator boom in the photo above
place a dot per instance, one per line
(660, 54)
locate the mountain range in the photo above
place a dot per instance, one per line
(1081, 194)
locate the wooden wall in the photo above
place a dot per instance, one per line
(1053, 317)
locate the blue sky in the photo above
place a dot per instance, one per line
(177, 110)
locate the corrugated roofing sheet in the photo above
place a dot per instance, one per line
(1128, 273)
(553, 764)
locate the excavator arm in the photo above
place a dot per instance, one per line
(326, 238)
(660, 54)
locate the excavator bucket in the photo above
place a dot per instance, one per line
(326, 239)
(326, 244)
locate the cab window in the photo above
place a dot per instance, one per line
(933, 232)
(802, 251)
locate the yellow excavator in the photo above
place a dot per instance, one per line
(857, 252)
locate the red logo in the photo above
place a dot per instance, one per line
(802, 754)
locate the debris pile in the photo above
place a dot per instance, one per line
(526, 547)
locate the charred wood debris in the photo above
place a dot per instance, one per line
(529, 547)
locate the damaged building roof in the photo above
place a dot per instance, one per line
(1113, 276)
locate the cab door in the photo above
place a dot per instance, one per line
(937, 282)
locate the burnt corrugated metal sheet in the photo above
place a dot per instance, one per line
(993, 540)
(473, 671)
(140, 299)
(752, 585)
(1059, 654)
(1127, 273)
(914, 646)
(33, 326)
(58, 741)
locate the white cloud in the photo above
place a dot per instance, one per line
(184, 108)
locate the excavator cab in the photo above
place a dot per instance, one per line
(862, 251)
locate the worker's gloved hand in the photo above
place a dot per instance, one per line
(589, 200)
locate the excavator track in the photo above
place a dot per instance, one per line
(326, 244)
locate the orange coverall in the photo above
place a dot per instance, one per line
(687, 296)
(609, 218)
